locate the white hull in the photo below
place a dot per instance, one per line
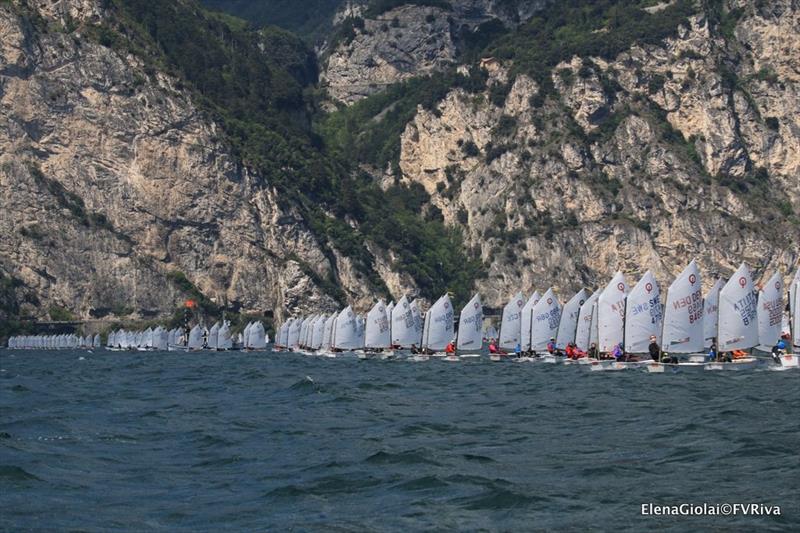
(790, 361)
(451, 358)
(497, 358)
(419, 358)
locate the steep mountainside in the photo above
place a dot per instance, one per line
(589, 143)
(151, 151)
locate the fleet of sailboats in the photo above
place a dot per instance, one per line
(613, 328)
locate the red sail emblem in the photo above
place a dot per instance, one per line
(743, 281)
(648, 287)
(549, 301)
(477, 305)
(692, 278)
(621, 287)
(778, 285)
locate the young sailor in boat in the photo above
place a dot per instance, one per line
(593, 353)
(518, 350)
(551, 346)
(712, 351)
(778, 351)
(617, 353)
(493, 350)
(654, 349)
(414, 349)
(450, 349)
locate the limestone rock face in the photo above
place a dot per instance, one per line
(110, 179)
(644, 162)
(408, 41)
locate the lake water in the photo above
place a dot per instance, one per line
(201, 442)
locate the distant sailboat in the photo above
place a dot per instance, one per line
(611, 313)
(510, 325)
(438, 329)
(568, 325)
(770, 312)
(469, 342)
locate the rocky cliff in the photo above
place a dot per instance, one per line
(125, 192)
(118, 194)
(665, 153)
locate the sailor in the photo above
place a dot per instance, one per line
(450, 349)
(593, 353)
(492, 346)
(654, 349)
(551, 346)
(570, 351)
(712, 350)
(518, 350)
(778, 351)
(618, 353)
(414, 349)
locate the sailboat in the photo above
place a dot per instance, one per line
(345, 332)
(526, 324)
(404, 326)
(546, 317)
(327, 336)
(643, 315)
(511, 323)
(609, 315)
(257, 339)
(224, 341)
(711, 313)
(377, 334)
(770, 313)
(583, 331)
(469, 341)
(684, 326)
(213, 335)
(195, 338)
(438, 329)
(793, 359)
(568, 325)
(738, 326)
(317, 333)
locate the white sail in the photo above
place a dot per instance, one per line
(568, 325)
(546, 316)
(770, 312)
(111, 340)
(491, 333)
(683, 313)
(246, 335)
(318, 332)
(160, 338)
(438, 325)
(377, 334)
(611, 313)
(96, 340)
(526, 321)
(389, 309)
(213, 335)
(147, 338)
(711, 312)
(510, 325)
(643, 314)
(404, 326)
(584, 327)
(345, 334)
(304, 331)
(794, 308)
(470, 322)
(417, 315)
(361, 330)
(196, 338)
(293, 338)
(224, 340)
(738, 328)
(258, 337)
(327, 331)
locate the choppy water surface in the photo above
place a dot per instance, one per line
(151, 441)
